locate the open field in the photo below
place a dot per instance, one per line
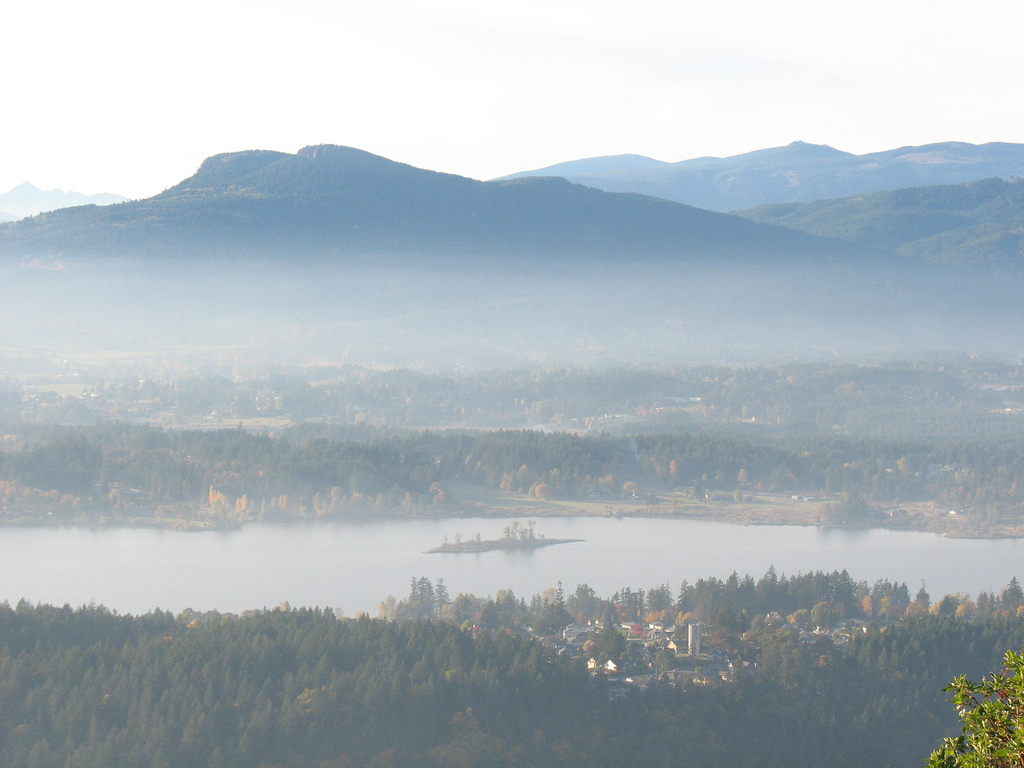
(72, 390)
(763, 509)
(211, 423)
(774, 509)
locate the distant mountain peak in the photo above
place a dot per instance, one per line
(338, 155)
(319, 172)
(26, 186)
(817, 149)
(219, 169)
(801, 143)
(592, 166)
(796, 150)
(27, 199)
(335, 152)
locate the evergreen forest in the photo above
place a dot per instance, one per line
(303, 687)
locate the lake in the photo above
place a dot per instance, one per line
(353, 566)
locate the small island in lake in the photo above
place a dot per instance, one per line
(514, 536)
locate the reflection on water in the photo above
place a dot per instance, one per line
(353, 566)
(827, 532)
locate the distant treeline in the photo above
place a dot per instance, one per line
(728, 607)
(933, 401)
(317, 471)
(304, 688)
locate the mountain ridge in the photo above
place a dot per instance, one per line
(344, 202)
(801, 172)
(26, 199)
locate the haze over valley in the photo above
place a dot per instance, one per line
(337, 254)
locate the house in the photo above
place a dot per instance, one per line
(608, 666)
(576, 635)
(617, 689)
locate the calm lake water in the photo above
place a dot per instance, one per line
(352, 566)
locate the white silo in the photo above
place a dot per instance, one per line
(693, 638)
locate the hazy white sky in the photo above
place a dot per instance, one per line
(129, 96)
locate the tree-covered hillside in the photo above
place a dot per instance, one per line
(978, 223)
(306, 689)
(338, 203)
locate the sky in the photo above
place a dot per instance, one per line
(129, 97)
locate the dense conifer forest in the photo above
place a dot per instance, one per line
(302, 687)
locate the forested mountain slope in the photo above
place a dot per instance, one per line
(338, 202)
(979, 223)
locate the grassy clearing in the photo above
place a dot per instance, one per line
(766, 509)
(257, 422)
(763, 509)
(74, 390)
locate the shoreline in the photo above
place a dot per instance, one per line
(746, 514)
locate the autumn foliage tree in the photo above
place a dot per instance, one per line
(992, 713)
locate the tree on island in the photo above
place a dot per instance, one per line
(516, 533)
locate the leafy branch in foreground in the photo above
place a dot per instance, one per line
(992, 713)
